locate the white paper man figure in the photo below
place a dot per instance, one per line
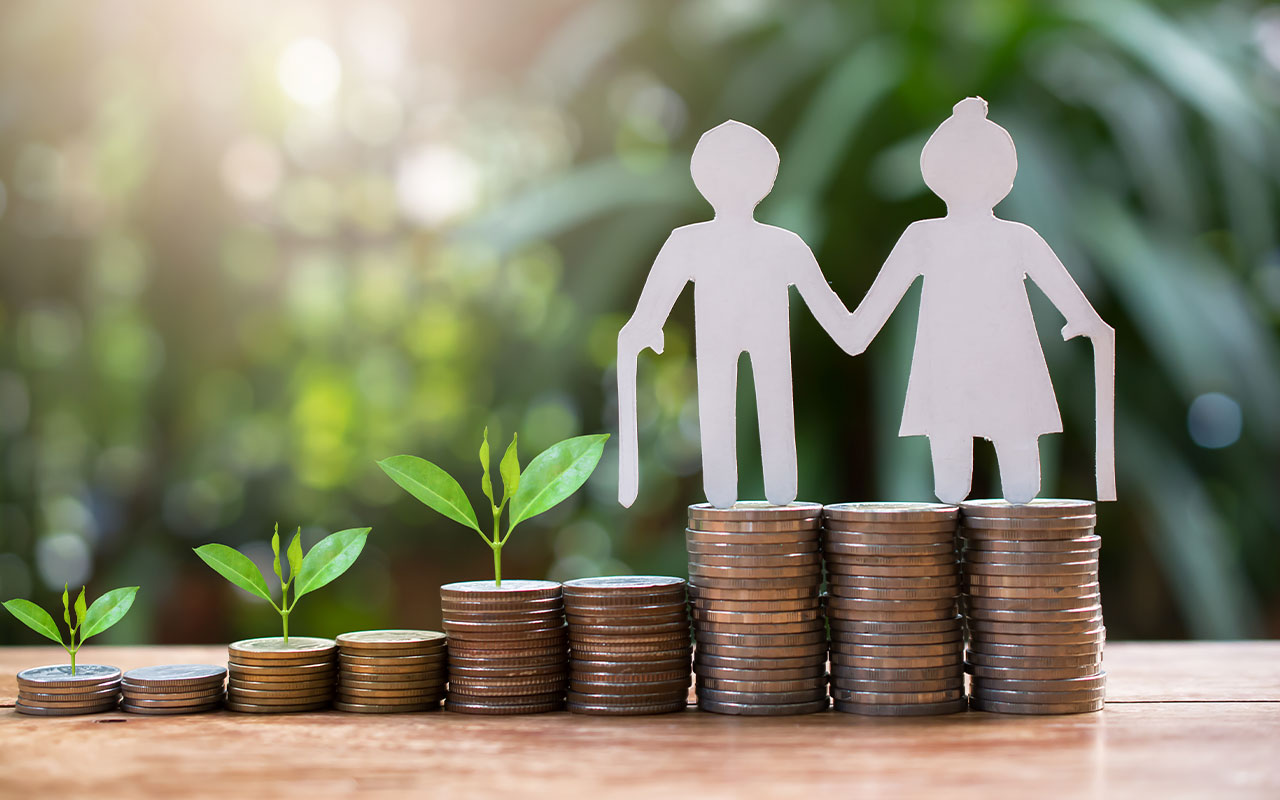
(741, 271)
(978, 369)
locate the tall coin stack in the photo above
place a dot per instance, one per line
(892, 585)
(1032, 606)
(56, 691)
(272, 676)
(508, 650)
(172, 689)
(629, 645)
(384, 672)
(755, 573)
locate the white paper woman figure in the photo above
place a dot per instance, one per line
(978, 369)
(741, 270)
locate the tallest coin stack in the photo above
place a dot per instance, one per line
(755, 572)
(1032, 606)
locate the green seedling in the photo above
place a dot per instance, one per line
(105, 612)
(332, 556)
(556, 473)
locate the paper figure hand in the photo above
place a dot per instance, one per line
(1093, 328)
(632, 339)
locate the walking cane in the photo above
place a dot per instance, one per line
(1104, 381)
(628, 448)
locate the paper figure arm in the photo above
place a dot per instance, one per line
(825, 305)
(900, 270)
(1043, 266)
(667, 277)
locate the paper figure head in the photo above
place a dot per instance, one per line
(969, 161)
(734, 167)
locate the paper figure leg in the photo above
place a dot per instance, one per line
(717, 417)
(777, 420)
(952, 467)
(1019, 470)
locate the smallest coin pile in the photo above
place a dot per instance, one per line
(629, 645)
(55, 692)
(1032, 606)
(272, 676)
(172, 689)
(892, 582)
(508, 651)
(383, 672)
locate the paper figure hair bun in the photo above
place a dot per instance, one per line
(969, 161)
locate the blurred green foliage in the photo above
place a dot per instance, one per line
(248, 249)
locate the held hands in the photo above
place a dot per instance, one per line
(632, 339)
(853, 335)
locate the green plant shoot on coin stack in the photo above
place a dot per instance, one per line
(550, 478)
(91, 621)
(332, 556)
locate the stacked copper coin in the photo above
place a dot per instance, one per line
(1032, 606)
(173, 689)
(755, 573)
(58, 691)
(280, 676)
(628, 645)
(384, 672)
(508, 649)
(892, 585)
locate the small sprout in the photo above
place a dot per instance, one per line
(89, 621)
(332, 556)
(556, 473)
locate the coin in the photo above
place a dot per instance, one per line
(47, 711)
(889, 512)
(1070, 589)
(627, 709)
(762, 651)
(835, 582)
(756, 511)
(1029, 674)
(1026, 530)
(938, 685)
(1032, 662)
(852, 608)
(807, 562)
(378, 708)
(999, 649)
(904, 710)
(760, 617)
(837, 550)
(509, 589)
(255, 708)
(852, 563)
(183, 702)
(1035, 628)
(291, 673)
(973, 581)
(65, 701)
(942, 637)
(753, 606)
(974, 570)
(854, 673)
(1086, 684)
(897, 698)
(762, 710)
(846, 659)
(924, 626)
(1029, 617)
(397, 641)
(352, 693)
(1036, 509)
(738, 674)
(730, 547)
(475, 706)
(165, 694)
(1089, 543)
(130, 708)
(808, 537)
(757, 594)
(810, 582)
(274, 647)
(1082, 707)
(1030, 603)
(60, 675)
(497, 604)
(173, 675)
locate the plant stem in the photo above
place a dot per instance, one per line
(284, 618)
(497, 563)
(72, 653)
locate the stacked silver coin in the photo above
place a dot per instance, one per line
(508, 648)
(385, 672)
(629, 645)
(173, 689)
(892, 584)
(1032, 606)
(755, 575)
(56, 691)
(277, 676)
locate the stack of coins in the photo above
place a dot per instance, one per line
(270, 676)
(173, 689)
(755, 574)
(628, 645)
(1032, 606)
(55, 692)
(892, 583)
(382, 672)
(508, 650)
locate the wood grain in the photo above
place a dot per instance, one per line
(1185, 720)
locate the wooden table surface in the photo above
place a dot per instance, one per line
(1182, 719)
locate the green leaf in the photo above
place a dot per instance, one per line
(555, 474)
(331, 557)
(510, 471)
(486, 483)
(66, 607)
(295, 555)
(235, 567)
(35, 618)
(80, 613)
(275, 553)
(107, 611)
(433, 486)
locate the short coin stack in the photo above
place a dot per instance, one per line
(755, 573)
(1032, 606)
(272, 676)
(383, 672)
(892, 584)
(508, 650)
(629, 645)
(173, 689)
(55, 692)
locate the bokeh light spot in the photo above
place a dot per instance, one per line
(1215, 420)
(309, 72)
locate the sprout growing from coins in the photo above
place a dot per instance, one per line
(550, 478)
(106, 611)
(331, 556)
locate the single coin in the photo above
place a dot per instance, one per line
(1026, 530)
(172, 675)
(1084, 707)
(855, 593)
(710, 661)
(86, 696)
(629, 678)
(948, 568)
(282, 674)
(61, 701)
(758, 710)
(1065, 568)
(806, 561)
(350, 694)
(740, 617)
(614, 584)
(836, 581)
(1017, 557)
(843, 673)
(274, 647)
(399, 670)
(1036, 651)
(541, 691)
(1028, 674)
(886, 662)
(439, 684)
(851, 563)
(1072, 590)
(761, 697)
(985, 693)
(585, 692)
(1030, 603)
(737, 639)
(857, 637)
(644, 655)
(624, 603)
(792, 651)
(978, 626)
(204, 700)
(851, 607)
(901, 651)
(129, 708)
(698, 549)
(811, 582)
(890, 512)
(509, 640)
(188, 696)
(1065, 685)
(755, 510)
(805, 539)
(753, 606)
(498, 604)
(974, 581)
(761, 628)
(277, 698)
(813, 682)
(465, 706)
(737, 674)
(58, 711)
(1036, 509)
(795, 529)
(1093, 612)
(390, 640)
(471, 628)
(1097, 635)
(897, 698)
(254, 708)
(626, 614)
(912, 710)
(838, 620)
(509, 589)
(955, 682)
(758, 594)
(627, 709)
(1088, 543)
(631, 630)
(1032, 662)
(931, 626)
(373, 661)
(367, 708)
(698, 571)
(60, 675)
(837, 550)
(842, 541)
